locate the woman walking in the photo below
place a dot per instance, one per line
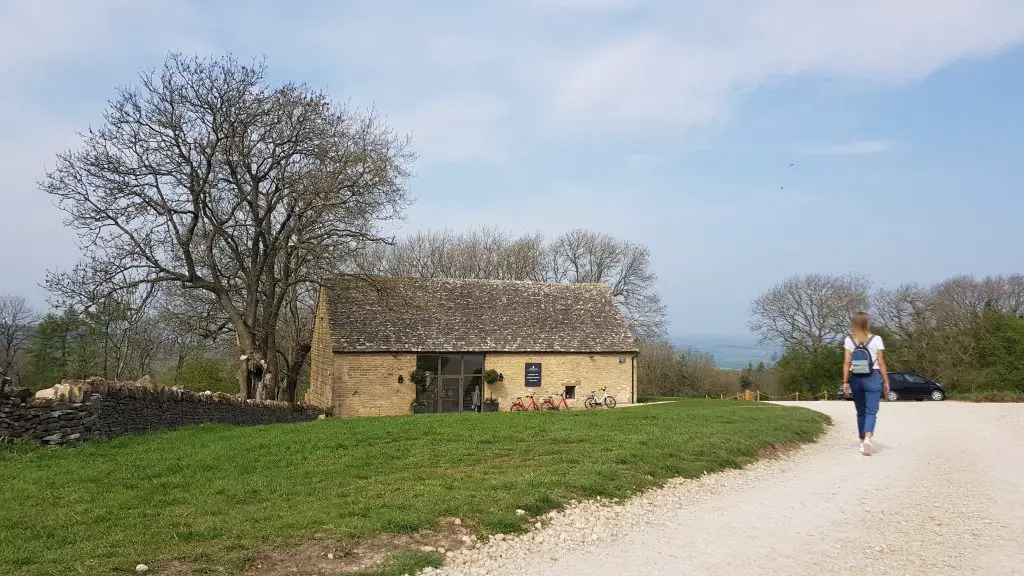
(864, 376)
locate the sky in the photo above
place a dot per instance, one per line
(742, 141)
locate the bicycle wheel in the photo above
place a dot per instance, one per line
(590, 403)
(516, 408)
(609, 401)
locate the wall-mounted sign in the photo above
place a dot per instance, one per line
(533, 374)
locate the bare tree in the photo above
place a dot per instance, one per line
(119, 315)
(1005, 293)
(16, 320)
(588, 256)
(665, 370)
(483, 253)
(294, 337)
(1014, 294)
(902, 309)
(807, 312)
(959, 301)
(580, 256)
(206, 177)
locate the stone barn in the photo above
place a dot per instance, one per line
(372, 332)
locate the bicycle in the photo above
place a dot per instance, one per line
(520, 406)
(606, 400)
(550, 404)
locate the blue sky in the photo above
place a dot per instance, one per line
(669, 123)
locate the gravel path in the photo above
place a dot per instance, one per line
(943, 494)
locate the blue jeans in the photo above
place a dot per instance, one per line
(867, 393)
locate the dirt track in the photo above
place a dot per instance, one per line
(943, 494)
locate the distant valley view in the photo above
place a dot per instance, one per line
(729, 351)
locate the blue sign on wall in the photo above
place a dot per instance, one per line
(533, 374)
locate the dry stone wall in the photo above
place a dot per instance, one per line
(83, 410)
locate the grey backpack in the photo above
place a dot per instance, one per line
(861, 363)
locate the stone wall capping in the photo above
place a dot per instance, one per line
(76, 411)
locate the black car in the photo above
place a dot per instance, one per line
(910, 386)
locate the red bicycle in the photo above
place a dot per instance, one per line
(520, 406)
(550, 404)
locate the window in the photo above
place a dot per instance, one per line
(473, 364)
(427, 363)
(451, 365)
(914, 378)
(455, 383)
(570, 392)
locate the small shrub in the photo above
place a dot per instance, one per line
(202, 374)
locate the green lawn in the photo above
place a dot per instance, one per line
(211, 497)
(987, 396)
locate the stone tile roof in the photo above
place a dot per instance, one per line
(392, 314)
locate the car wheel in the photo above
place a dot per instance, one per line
(893, 396)
(938, 395)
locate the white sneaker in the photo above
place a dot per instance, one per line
(861, 447)
(865, 448)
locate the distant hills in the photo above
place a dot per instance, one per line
(729, 351)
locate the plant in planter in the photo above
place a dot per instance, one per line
(491, 377)
(417, 407)
(420, 378)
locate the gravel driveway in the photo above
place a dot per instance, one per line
(943, 494)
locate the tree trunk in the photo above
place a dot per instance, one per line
(178, 368)
(246, 348)
(255, 376)
(270, 379)
(292, 374)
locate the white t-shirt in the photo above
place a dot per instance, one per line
(874, 346)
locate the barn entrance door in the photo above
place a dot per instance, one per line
(448, 393)
(456, 381)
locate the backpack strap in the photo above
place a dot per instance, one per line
(865, 344)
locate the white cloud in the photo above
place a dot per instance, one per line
(464, 76)
(576, 68)
(656, 74)
(854, 148)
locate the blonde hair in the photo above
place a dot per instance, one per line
(861, 328)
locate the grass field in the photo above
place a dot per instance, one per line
(987, 396)
(210, 498)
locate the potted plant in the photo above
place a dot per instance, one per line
(493, 376)
(417, 407)
(420, 378)
(490, 405)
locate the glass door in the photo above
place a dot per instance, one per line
(455, 382)
(472, 393)
(449, 393)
